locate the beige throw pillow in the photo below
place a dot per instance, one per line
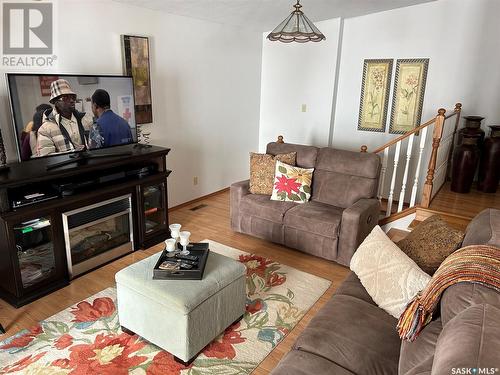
(262, 168)
(389, 276)
(430, 243)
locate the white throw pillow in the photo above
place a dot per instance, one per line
(389, 276)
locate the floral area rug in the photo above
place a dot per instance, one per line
(86, 338)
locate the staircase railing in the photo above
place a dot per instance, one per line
(443, 138)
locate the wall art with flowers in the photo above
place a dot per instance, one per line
(292, 184)
(408, 97)
(374, 100)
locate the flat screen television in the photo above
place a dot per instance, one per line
(29, 92)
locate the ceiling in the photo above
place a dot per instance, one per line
(264, 15)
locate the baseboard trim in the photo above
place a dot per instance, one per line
(185, 204)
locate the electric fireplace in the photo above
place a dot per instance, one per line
(97, 234)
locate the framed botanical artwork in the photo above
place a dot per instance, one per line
(408, 97)
(374, 99)
(136, 64)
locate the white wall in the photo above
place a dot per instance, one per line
(205, 86)
(460, 37)
(294, 74)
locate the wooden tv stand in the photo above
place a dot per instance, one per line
(36, 231)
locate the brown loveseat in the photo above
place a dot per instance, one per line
(352, 335)
(341, 213)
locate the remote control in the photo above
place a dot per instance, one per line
(191, 262)
(187, 257)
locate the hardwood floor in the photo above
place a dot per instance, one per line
(209, 222)
(468, 205)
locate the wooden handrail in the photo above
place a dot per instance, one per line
(456, 111)
(405, 135)
(450, 115)
(439, 122)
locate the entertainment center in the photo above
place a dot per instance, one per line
(59, 222)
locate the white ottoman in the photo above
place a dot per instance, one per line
(181, 316)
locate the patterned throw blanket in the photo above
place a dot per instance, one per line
(476, 264)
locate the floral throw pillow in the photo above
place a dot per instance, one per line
(292, 184)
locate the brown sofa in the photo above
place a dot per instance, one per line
(351, 335)
(342, 210)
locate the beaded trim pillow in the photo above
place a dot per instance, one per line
(292, 184)
(430, 243)
(262, 168)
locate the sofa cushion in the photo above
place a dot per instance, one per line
(306, 155)
(262, 168)
(351, 286)
(357, 335)
(298, 362)
(430, 242)
(343, 177)
(315, 217)
(484, 229)
(311, 243)
(459, 297)
(292, 184)
(416, 357)
(261, 206)
(470, 340)
(388, 275)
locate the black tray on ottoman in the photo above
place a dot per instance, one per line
(199, 250)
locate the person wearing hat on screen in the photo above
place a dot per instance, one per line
(63, 129)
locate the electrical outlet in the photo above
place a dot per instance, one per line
(195, 180)
(304, 108)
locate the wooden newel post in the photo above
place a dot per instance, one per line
(436, 139)
(364, 148)
(458, 107)
(280, 139)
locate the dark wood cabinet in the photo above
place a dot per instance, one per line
(36, 251)
(35, 254)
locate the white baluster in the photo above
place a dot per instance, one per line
(382, 174)
(405, 175)
(423, 135)
(393, 179)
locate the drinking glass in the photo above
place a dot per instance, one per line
(184, 240)
(170, 247)
(174, 230)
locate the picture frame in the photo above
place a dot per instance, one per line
(408, 95)
(135, 51)
(375, 89)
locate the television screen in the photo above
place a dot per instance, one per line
(57, 113)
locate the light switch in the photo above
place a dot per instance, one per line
(304, 108)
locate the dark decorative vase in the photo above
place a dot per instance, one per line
(465, 159)
(472, 126)
(489, 168)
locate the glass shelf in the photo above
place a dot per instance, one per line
(154, 208)
(35, 250)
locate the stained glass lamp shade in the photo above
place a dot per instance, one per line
(296, 28)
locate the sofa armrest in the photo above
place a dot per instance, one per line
(237, 191)
(357, 222)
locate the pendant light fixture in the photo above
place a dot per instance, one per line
(296, 28)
